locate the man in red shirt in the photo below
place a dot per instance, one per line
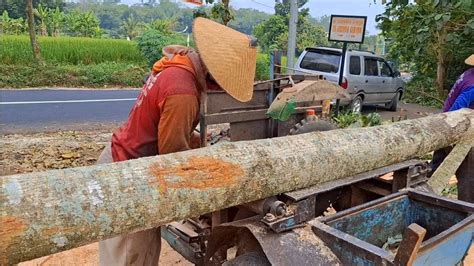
(167, 111)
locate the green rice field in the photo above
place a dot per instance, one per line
(16, 49)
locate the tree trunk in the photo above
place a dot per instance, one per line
(441, 63)
(47, 212)
(31, 30)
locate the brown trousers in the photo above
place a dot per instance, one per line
(141, 248)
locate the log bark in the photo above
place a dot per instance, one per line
(47, 212)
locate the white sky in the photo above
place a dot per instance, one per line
(318, 8)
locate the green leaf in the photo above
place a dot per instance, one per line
(438, 17)
(424, 29)
(446, 17)
(470, 24)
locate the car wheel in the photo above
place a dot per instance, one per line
(393, 105)
(356, 105)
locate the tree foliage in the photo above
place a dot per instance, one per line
(273, 32)
(432, 37)
(16, 8)
(82, 24)
(152, 41)
(10, 25)
(131, 27)
(246, 19)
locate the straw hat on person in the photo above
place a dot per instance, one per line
(470, 60)
(230, 57)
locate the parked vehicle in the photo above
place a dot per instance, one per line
(368, 78)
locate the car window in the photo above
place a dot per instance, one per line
(385, 70)
(371, 67)
(320, 60)
(354, 65)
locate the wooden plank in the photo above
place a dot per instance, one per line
(47, 212)
(411, 242)
(440, 179)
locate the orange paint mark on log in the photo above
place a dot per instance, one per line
(197, 173)
(10, 228)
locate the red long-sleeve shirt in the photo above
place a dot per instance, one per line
(162, 119)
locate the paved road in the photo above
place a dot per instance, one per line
(65, 109)
(43, 110)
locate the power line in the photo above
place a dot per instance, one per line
(262, 4)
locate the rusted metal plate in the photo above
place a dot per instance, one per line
(296, 247)
(349, 249)
(249, 130)
(219, 101)
(449, 247)
(237, 116)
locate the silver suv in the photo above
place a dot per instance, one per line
(368, 78)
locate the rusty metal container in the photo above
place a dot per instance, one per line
(358, 235)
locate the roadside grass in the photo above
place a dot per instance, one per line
(16, 49)
(57, 75)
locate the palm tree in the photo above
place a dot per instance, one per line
(131, 27)
(164, 26)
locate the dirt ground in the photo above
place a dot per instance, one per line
(89, 256)
(22, 153)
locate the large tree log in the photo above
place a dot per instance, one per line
(47, 212)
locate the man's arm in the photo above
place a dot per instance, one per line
(178, 113)
(464, 100)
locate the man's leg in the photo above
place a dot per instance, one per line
(465, 176)
(141, 248)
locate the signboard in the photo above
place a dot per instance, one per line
(195, 2)
(347, 28)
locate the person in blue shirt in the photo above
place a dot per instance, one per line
(460, 96)
(464, 100)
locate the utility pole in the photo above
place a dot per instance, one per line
(292, 35)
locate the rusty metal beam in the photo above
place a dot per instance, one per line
(47, 212)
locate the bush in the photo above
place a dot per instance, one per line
(51, 75)
(152, 41)
(350, 119)
(262, 71)
(69, 50)
(421, 90)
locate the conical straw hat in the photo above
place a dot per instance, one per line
(230, 57)
(470, 60)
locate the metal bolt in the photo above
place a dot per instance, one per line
(269, 217)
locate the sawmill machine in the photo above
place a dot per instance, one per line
(372, 218)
